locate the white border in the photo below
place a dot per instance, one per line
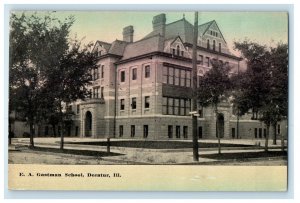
(293, 110)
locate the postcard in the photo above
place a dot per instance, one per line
(148, 101)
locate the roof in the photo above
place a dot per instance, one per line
(104, 44)
(144, 46)
(117, 47)
(181, 28)
(202, 28)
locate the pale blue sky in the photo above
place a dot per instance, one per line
(264, 27)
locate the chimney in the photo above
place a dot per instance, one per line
(128, 33)
(159, 23)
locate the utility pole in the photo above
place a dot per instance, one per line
(194, 87)
(238, 113)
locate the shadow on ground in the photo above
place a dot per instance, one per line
(158, 144)
(245, 155)
(77, 152)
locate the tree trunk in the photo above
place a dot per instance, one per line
(218, 134)
(62, 138)
(275, 134)
(267, 139)
(62, 128)
(31, 145)
(282, 142)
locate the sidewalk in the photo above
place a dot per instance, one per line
(126, 155)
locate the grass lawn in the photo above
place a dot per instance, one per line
(157, 144)
(245, 155)
(76, 152)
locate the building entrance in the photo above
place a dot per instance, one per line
(220, 125)
(88, 124)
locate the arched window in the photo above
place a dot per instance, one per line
(220, 47)
(178, 50)
(208, 44)
(214, 45)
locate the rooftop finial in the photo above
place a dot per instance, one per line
(183, 16)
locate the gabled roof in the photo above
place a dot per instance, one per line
(204, 27)
(104, 44)
(184, 29)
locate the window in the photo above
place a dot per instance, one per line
(120, 130)
(188, 79)
(165, 74)
(185, 131)
(177, 76)
(260, 132)
(220, 47)
(170, 106)
(133, 103)
(265, 133)
(76, 131)
(173, 51)
(177, 131)
(132, 131)
(200, 133)
(96, 92)
(122, 76)
(214, 45)
(102, 92)
(145, 131)
(122, 104)
(233, 132)
(175, 106)
(170, 131)
(171, 76)
(96, 74)
(278, 129)
(178, 50)
(182, 107)
(182, 78)
(134, 73)
(102, 71)
(255, 132)
(147, 71)
(77, 108)
(207, 61)
(182, 53)
(201, 59)
(165, 106)
(147, 102)
(200, 111)
(208, 45)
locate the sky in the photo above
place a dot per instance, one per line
(263, 27)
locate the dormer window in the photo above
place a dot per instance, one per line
(178, 50)
(208, 45)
